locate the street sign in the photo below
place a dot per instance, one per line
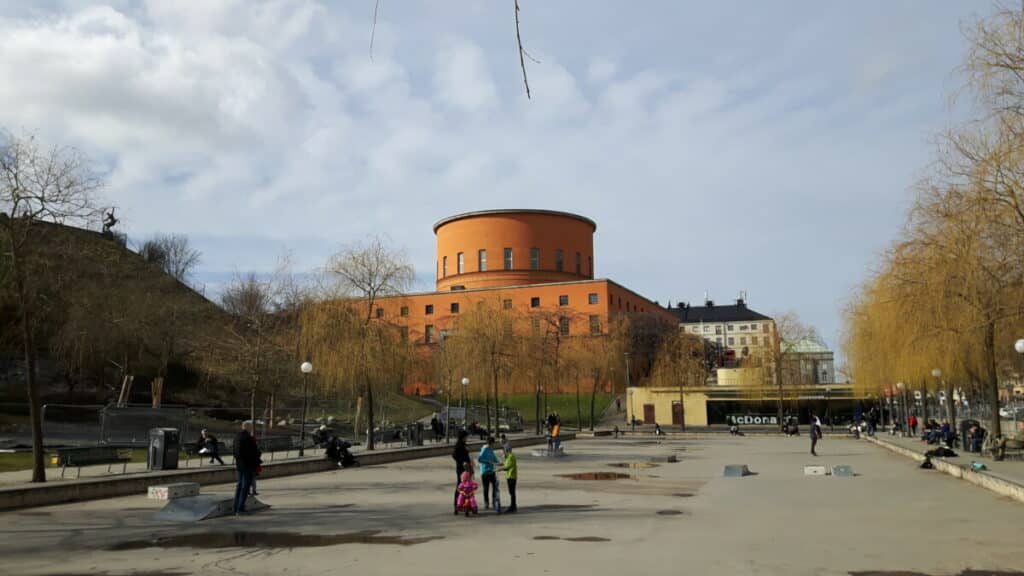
(753, 419)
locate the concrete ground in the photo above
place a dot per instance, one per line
(678, 518)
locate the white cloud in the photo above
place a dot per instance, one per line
(462, 79)
(257, 125)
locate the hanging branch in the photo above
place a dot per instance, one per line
(373, 30)
(519, 42)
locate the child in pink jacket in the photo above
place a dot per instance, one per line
(467, 494)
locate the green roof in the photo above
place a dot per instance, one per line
(806, 346)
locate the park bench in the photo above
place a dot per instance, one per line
(89, 456)
(273, 444)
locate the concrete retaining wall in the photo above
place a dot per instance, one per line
(31, 495)
(988, 481)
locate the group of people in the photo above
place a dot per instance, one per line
(466, 486)
(935, 433)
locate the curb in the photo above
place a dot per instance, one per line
(33, 495)
(980, 478)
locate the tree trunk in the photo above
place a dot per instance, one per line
(34, 407)
(992, 386)
(950, 405)
(497, 419)
(593, 398)
(273, 405)
(369, 416)
(252, 406)
(536, 409)
(778, 382)
(487, 408)
(359, 412)
(579, 412)
(156, 387)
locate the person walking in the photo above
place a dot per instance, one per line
(488, 461)
(815, 433)
(209, 446)
(511, 468)
(463, 463)
(247, 461)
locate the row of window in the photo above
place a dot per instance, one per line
(743, 340)
(428, 309)
(481, 262)
(564, 328)
(729, 328)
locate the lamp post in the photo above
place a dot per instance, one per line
(828, 414)
(632, 408)
(904, 415)
(306, 369)
(465, 407)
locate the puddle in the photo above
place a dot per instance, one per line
(267, 540)
(595, 476)
(683, 495)
(574, 539)
(633, 465)
(968, 572)
(669, 512)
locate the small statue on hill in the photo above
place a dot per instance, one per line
(109, 221)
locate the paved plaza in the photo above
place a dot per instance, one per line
(670, 518)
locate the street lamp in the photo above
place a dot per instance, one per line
(828, 414)
(632, 408)
(904, 414)
(465, 407)
(306, 369)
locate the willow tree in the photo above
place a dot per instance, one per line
(350, 346)
(37, 186)
(485, 343)
(601, 354)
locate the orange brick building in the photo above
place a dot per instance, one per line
(522, 260)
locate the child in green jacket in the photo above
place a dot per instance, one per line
(511, 468)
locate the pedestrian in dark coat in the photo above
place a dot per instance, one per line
(247, 461)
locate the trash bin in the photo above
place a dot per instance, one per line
(414, 434)
(163, 449)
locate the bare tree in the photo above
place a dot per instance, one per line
(36, 185)
(172, 253)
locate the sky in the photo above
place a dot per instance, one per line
(721, 146)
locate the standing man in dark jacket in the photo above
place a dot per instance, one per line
(463, 463)
(247, 460)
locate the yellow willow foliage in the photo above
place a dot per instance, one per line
(348, 352)
(679, 361)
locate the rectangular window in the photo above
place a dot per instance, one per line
(559, 264)
(592, 298)
(695, 329)
(743, 340)
(455, 308)
(718, 329)
(743, 327)
(753, 326)
(403, 331)
(719, 339)
(753, 340)
(579, 264)
(444, 267)
(731, 328)
(563, 326)
(707, 329)
(595, 324)
(481, 260)
(508, 258)
(563, 300)
(461, 262)
(428, 333)
(731, 340)
(765, 328)
(380, 312)
(534, 258)
(428, 309)
(404, 311)
(506, 304)
(535, 302)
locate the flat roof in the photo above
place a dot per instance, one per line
(476, 213)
